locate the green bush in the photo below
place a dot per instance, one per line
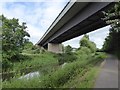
(84, 50)
(100, 55)
(6, 64)
(66, 57)
(60, 59)
(85, 42)
(68, 49)
(83, 53)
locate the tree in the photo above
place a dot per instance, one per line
(85, 42)
(28, 45)
(13, 38)
(68, 49)
(67, 56)
(112, 17)
(36, 50)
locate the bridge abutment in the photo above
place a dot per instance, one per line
(55, 48)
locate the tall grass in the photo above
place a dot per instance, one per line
(35, 60)
(57, 78)
(43, 63)
(84, 79)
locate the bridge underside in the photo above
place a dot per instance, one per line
(86, 20)
(84, 27)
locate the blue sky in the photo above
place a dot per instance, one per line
(40, 14)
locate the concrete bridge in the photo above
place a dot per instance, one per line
(75, 19)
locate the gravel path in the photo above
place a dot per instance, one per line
(108, 76)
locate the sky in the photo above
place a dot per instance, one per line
(40, 14)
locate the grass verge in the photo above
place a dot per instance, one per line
(62, 76)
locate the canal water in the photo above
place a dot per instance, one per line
(30, 75)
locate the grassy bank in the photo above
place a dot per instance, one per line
(84, 79)
(33, 60)
(45, 63)
(62, 77)
(46, 60)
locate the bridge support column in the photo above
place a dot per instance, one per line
(55, 48)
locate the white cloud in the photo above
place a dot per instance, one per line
(73, 42)
(37, 15)
(35, 33)
(34, 0)
(97, 37)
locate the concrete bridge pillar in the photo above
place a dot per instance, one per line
(55, 48)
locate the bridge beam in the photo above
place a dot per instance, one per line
(55, 48)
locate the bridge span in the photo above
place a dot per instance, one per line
(75, 19)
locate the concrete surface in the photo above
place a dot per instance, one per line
(55, 48)
(108, 76)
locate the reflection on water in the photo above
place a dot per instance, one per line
(30, 75)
